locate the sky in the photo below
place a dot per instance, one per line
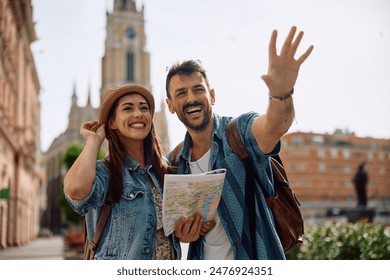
(344, 84)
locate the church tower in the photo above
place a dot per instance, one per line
(126, 59)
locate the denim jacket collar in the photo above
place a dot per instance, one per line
(218, 133)
(134, 165)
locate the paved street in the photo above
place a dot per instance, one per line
(47, 248)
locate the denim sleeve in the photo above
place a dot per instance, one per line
(98, 192)
(244, 125)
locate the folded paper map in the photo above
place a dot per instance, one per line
(184, 195)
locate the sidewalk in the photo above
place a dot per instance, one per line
(47, 248)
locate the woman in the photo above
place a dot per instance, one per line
(132, 174)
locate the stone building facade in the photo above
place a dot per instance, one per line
(21, 171)
(320, 168)
(55, 170)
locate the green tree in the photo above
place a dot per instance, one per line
(68, 159)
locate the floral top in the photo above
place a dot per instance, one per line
(164, 249)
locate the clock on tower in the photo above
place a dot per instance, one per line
(130, 33)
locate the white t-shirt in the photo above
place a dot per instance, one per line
(215, 243)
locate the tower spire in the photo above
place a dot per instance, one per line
(89, 95)
(74, 95)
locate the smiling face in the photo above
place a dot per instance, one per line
(132, 118)
(191, 99)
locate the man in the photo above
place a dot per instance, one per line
(205, 148)
(360, 180)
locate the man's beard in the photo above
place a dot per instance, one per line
(206, 118)
(202, 126)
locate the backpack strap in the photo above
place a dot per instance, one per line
(278, 169)
(90, 245)
(175, 152)
(234, 140)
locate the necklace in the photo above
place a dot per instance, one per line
(199, 166)
(202, 164)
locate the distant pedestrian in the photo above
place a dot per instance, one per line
(360, 180)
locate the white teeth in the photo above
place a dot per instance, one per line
(137, 125)
(193, 109)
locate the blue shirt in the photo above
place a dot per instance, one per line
(130, 231)
(232, 204)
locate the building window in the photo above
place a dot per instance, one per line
(334, 152)
(130, 67)
(346, 153)
(297, 140)
(321, 153)
(123, 5)
(335, 167)
(317, 139)
(322, 167)
(295, 167)
(347, 168)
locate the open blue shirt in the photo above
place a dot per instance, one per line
(232, 204)
(130, 231)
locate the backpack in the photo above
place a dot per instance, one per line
(284, 205)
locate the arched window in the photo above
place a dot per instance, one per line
(130, 67)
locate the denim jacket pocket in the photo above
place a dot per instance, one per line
(131, 200)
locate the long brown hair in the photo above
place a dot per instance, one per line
(116, 157)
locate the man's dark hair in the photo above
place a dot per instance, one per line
(185, 68)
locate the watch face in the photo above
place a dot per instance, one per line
(130, 33)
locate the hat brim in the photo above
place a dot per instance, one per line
(111, 95)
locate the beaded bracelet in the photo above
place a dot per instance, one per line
(282, 98)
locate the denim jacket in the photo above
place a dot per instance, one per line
(130, 231)
(231, 208)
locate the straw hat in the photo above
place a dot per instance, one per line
(113, 94)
